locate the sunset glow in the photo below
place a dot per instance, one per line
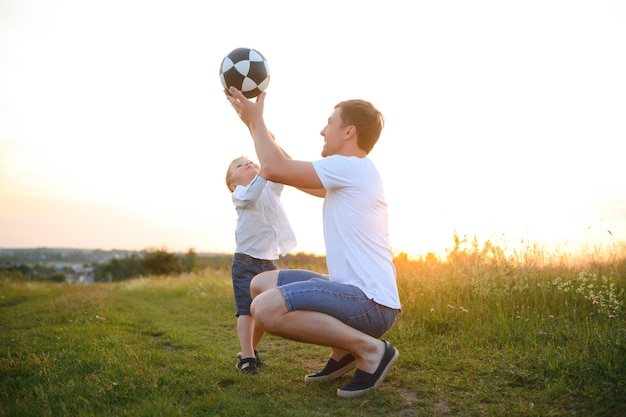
(504, 120)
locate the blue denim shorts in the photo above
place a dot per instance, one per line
(307, 290)
(243, 269)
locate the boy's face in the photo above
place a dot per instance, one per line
(245, 171)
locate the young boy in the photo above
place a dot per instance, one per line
(262, 234)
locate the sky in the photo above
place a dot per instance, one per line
(505, 120)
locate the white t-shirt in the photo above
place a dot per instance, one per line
(263, 230)
(356, 229)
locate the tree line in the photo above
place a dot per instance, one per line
(152, 262)
(118, 266)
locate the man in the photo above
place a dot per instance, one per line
(352, 307)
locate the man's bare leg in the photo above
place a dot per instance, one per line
(269, 310)
(266, 281)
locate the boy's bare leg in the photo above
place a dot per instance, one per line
(245, 332)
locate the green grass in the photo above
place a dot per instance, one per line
(479, 335)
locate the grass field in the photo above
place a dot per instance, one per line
(480, 334)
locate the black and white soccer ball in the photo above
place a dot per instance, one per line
(246, 70)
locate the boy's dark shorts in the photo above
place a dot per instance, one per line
(243, 269)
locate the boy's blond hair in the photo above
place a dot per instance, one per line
(230, 173)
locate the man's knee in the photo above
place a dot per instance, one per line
(268, 307)
(263, 282)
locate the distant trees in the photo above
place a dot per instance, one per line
(110, 266)
(37, 272)
(190, 261)
(57, 277)
(161, 262)
(19, 272)
(121, 266)
(152, 262)
(118, 269)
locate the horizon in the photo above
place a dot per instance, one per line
(593, 249)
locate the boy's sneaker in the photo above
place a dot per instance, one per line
(259, 362)
(247, 366)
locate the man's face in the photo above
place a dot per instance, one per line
(333, 134)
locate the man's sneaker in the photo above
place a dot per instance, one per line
(247, 366)
(333, 369)
(364, 382)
